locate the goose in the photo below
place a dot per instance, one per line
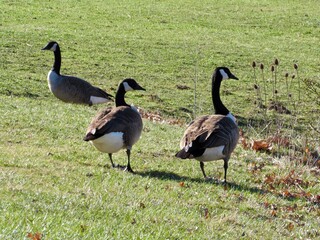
(118, 127)
(72, 89)
(212, 137)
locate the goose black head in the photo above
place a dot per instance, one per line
(225, 73)
(130, 84)
(51, 46)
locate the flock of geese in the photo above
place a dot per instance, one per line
(207, 138)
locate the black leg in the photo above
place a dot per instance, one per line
(202, 169)
(225, 169)
(110, 156)
(128, 168)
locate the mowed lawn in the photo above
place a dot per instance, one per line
(53, 185)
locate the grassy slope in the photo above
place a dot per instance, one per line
(54, 183)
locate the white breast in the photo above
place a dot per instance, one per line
(109, 143)
(53, 79)
(211, 154)
(229, 115)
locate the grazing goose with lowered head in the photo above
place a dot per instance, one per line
(212, 137)
(119, 127)
(69, 88)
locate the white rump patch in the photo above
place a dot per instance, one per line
(229, 115)
(97, 100)
(224, 74)
(211, 154)
(127, 87)
(109, 143)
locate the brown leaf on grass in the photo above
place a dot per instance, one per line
(150, 116)
(36, 236)
(292, 179)
(279, 140)
(291, 208)
(254, 167)
(270, 178)
(181, 184)
(182, 87)
(261, 145)
(315, 199)
(287, 194)
(290, 226)
(273, 213)
(243, 140)
(155, 117)
(206, 213)
(244, 143)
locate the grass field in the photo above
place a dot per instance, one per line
(55, 186)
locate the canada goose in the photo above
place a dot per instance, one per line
(212, 137)
(119, 127)
(69, 88)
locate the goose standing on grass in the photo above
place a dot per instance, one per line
(119, 127)
(212, 137)
(69, 88)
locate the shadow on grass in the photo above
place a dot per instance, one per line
(163, 175)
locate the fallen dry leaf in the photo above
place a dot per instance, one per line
(36, 236)
(273, 213)
(290, 226)
(243, 140)
(156, 117)
(279, 140)
(254, 167)
(261, 145)
(206, 213)
(270, 178)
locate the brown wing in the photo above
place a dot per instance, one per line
(78, 90)
(210, 131)
(117, 119)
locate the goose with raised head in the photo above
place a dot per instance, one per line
(119, 127)
(72, 89)
(212, 137)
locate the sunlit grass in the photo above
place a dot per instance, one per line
(55, 184)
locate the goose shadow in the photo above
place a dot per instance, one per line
(164, 175)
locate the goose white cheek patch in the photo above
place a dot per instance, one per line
(54, 47)
(224, 74)
(127, 87)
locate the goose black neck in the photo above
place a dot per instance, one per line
(57, 60)
(217, 103)
(120, 96)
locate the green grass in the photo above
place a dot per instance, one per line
(55, 184)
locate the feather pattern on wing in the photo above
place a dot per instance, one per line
(210, 131)
(76, 90)
(119, 119)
